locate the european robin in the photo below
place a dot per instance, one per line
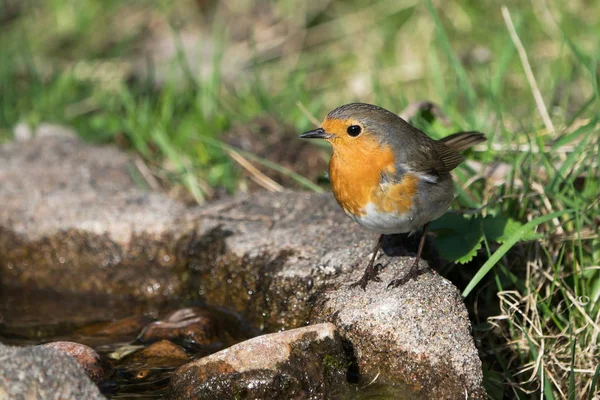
(389, 176)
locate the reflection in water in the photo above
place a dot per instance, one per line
(114, 327)
(142, 343)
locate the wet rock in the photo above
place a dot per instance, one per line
(43, 373)
(77, 214)
(158, 359)
(183, 313)
(73, 211)
(306, 362)
(417, 336)
(194, 331)
(269, 257)
(84, 355)
(122, 328)
(161, 350)
(202, 330)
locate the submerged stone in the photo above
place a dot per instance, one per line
(154, 361)
(85, 356)
(279, 260)
(163, 350)
(306, 362)
(42, 373)
(196, 331)
(125, 327)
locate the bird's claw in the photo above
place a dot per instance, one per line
(413, 273)
(369, 275)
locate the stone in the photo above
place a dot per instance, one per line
(280, 260)
(163, 349)
(305, 362)
(154, 362)
(73, 210)
(118, 330)
(42, 373)
(84, 355)
(49, 130)
(417, 336)
(197, 331)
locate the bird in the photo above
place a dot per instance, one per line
(389, 176)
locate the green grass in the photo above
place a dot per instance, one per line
(535, 303)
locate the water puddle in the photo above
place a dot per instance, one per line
(142, 343)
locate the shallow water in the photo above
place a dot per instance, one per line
(112, 327)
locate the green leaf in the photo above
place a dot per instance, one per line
(460, 236)
(457, 238)
(494, 227)
(499, 229)
(450, 222)
(508, 244)
(460, 248)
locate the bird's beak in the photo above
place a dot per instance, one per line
(318, 133)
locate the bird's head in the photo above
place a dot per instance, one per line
(356, 127)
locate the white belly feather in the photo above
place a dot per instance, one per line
(386, 223)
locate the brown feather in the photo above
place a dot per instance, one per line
(449, 147)
(463, 140)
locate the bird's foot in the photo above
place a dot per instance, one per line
(371, 274)
(413, 273)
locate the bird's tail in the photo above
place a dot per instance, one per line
(463, 140)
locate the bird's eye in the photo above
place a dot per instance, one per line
(354, 130)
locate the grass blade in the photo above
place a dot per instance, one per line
(458, 68)
(510, 242)
(594, 382)
(269, 164)
(571, 394)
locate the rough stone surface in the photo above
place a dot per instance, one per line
(415, 335)
(72, 210)
(306, 362)
(42, 373)
(163, 349)
(197, 330)
(200, 329)
(84, 355)
(156, 358)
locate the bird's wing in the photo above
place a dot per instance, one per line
(419, 154)
(429, 158)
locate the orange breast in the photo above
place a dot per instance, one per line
(355, 173)
(397, 197)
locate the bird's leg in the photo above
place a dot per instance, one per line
(413, 272)
(372, 270)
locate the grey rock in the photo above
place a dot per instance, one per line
(73, 210)
(306, 362)
(42, 373)
(417, 335)
(84, 355)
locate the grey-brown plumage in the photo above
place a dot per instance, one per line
(389, 176)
